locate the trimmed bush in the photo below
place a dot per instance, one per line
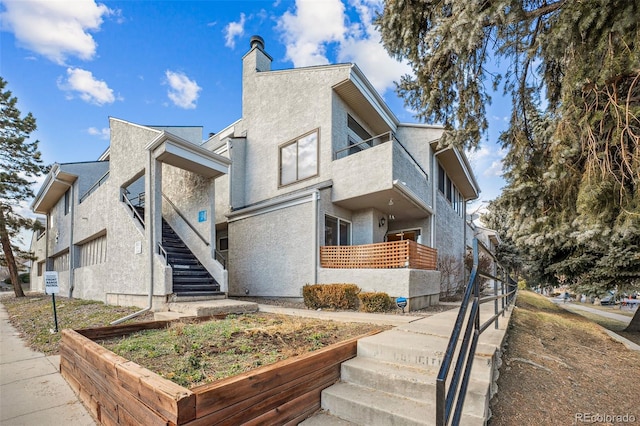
(331, 296)
(375, 302)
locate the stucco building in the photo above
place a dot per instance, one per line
(317, 182)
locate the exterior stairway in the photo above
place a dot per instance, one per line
(392, 380)
(190, 278)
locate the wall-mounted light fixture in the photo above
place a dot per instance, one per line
(390, 201)
(381, 222)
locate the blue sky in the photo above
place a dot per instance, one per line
(74, 64)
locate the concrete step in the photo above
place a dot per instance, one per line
(416, 350)
(409, 382)
(372, 407)
(168, 316)
(205, 308)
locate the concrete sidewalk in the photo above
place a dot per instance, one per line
(612, 315)
(343, 316)
(32, 391)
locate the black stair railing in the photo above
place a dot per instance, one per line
(136, 204)
(446, 412)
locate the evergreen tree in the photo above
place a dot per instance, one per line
(20, 161)
(571, 206)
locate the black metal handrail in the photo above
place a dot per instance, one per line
(131, 206)
(95, 186)
(184, 218)
(446, 413)
(218, 256)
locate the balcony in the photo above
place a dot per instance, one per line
(389, 255)
(375, 171)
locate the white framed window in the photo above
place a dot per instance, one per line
(299, 159)
(337, 232)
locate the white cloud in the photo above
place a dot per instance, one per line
(495, 169)
(315, 26)
(183, 91)
(55, 29)
(234, 30)
(475, 156)
(306, 33)
(103, 133)
(369, 54)
(87, 86)
(487, 160)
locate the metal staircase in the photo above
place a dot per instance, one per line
(190, 278)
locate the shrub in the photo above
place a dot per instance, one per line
(332, 296)
(375, 302)
(23, 278)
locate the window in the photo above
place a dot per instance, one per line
(67, 204)
(337, 232)
(441, 178)
(411, 234)
(449, 191)
(357, 134)
(223, 243)
(299, 159)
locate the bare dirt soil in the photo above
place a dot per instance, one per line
(560, 368)
(195, 354)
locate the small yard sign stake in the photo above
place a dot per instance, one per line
(51, 287)
(402, 303)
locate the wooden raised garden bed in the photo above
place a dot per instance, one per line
(120, 392)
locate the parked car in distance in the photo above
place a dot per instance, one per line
(608, 300)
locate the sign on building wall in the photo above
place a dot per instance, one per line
(202, 216)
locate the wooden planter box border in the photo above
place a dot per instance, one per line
(120, 392)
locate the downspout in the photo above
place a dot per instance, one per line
(71, 250)
(314, 199)
(149, 212)
(46, 248)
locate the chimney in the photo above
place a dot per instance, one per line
(258, 59)
(257, 41)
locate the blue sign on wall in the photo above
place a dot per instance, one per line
(202, 216)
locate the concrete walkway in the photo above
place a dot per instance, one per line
(612, 315)
(576, 308)
(382, 319)
(32, 391)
